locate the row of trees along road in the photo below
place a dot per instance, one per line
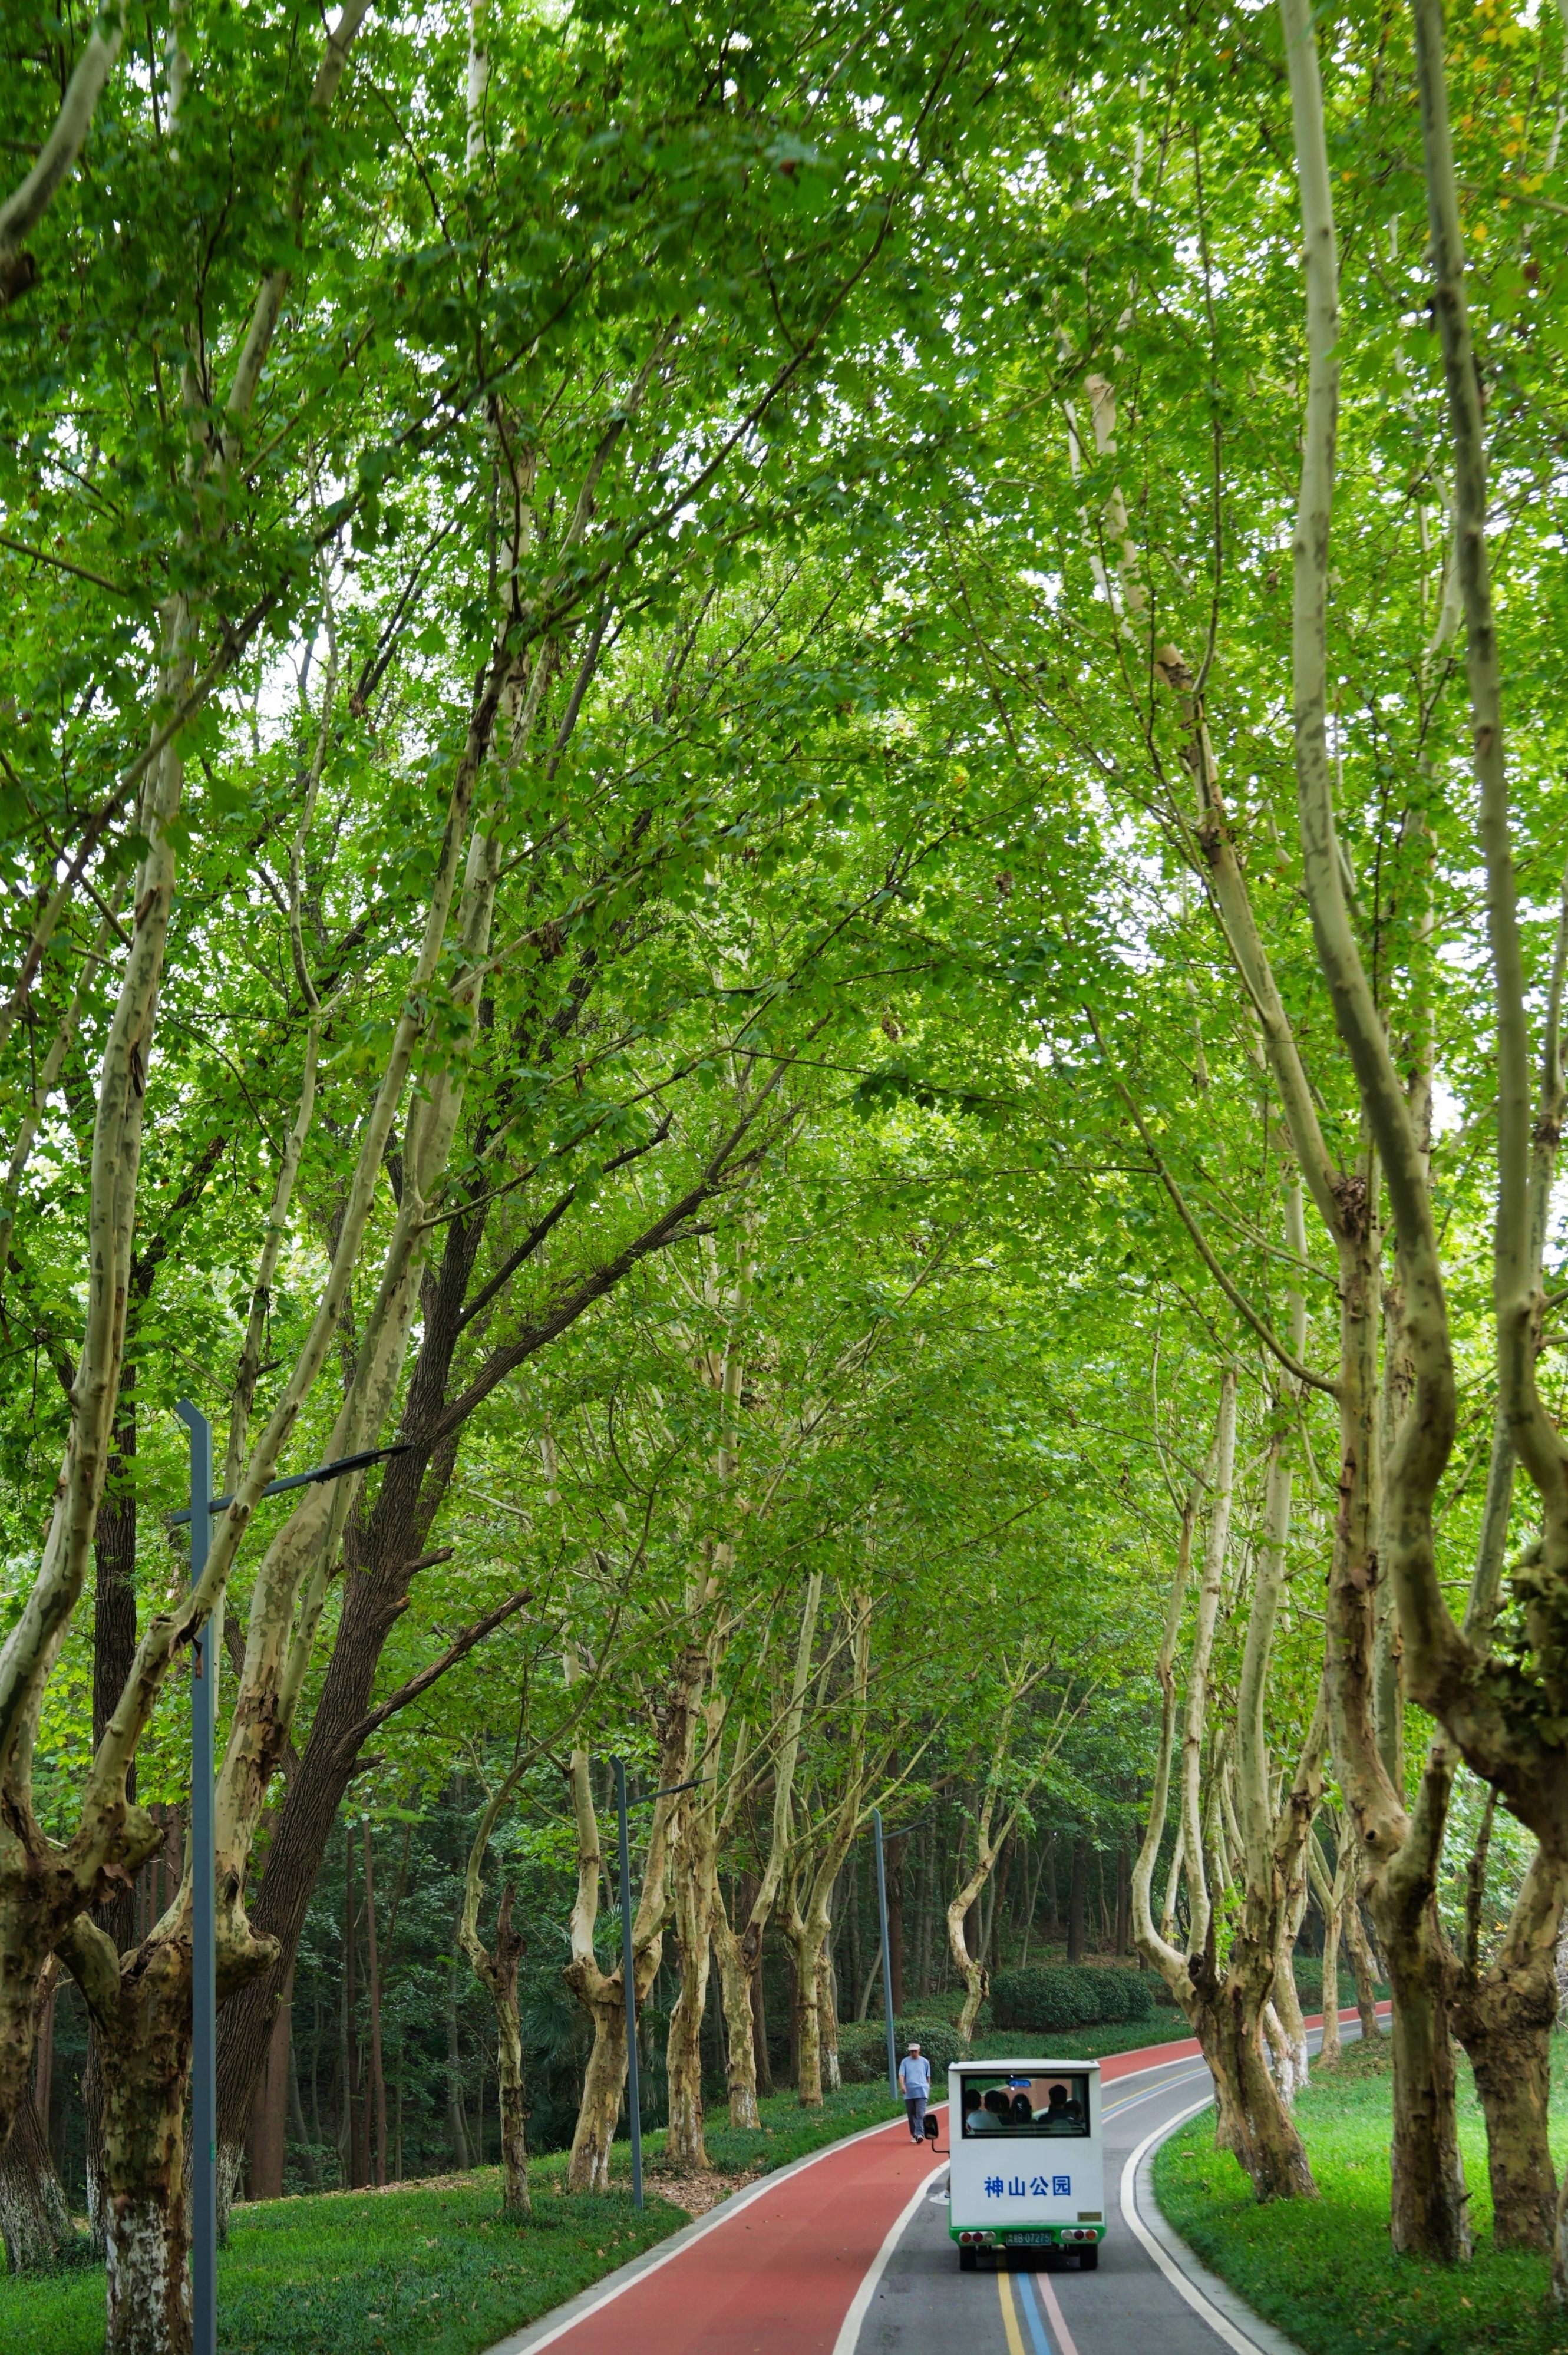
(754, 784)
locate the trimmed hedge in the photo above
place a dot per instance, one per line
(1079, 1996)
(863, 2049)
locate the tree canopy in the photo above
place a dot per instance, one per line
(785, 784)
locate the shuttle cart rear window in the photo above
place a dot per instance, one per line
(1054, 2106)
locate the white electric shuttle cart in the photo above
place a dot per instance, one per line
(1029, 2161)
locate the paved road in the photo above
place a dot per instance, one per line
(848, 2253)
(924, 2305)
(1041, 2304)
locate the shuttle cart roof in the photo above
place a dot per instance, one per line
(1033, 2065)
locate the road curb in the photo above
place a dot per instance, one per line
(1229, 2317)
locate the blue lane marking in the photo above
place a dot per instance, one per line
(1031, 2306)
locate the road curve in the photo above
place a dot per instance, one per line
(922, 2304)
(847, 2253)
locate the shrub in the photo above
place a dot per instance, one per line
(863, 2050)
(1308, 1973)
(1049, 2001)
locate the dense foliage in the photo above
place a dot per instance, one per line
(657, 779)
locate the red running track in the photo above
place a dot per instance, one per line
(778, 2277)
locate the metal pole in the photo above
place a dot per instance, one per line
(204, 1960)
(887, 1973)
(634, 2096)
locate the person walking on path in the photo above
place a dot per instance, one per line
(914, 2076)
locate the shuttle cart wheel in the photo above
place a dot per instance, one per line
(968, 2261)
(1089, 2258)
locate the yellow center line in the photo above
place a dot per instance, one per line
(1010, 2316)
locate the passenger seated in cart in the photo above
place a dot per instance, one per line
(1004, 2190)
(1020, 2105)
(1062, 2115)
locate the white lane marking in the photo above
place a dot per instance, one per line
(859, 2306)
(1220, 2325)
(1190, 2077)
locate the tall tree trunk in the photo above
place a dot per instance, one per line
(456, 2123)
(1430, 2213)
(1361, 1963)
(1503, 2017)
(602, 1993)
(1333, 1894)
(496, 1968)
(794, 1996)
(1227, 2018)
(747, 2056)
(309, 2168)
(269, 2119)
(373, 1989)
(760, 2027)
(694, 1886)
(144, 2022)
(35, 2223)
(828, 2018)
(603, 2084)
(114, 1654)
(1332, 2045)
(1076, 1896)
(350, 2014)
(806, 1944)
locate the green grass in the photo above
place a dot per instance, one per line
(424, 2271)
(374, 2273)
(434, 2272)
(1321, 2270)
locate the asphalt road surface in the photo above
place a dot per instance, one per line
(847, 2253)
(1039, 2304)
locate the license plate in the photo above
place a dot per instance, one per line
(1030, 2240)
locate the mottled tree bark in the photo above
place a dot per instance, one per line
(35, 2223)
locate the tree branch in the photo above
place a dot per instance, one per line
(458, 1649)
(56, 158)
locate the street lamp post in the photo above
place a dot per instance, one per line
(886, 1973)
(203, 1866)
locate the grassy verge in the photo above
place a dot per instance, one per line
(430, 2270)
(372, 2272)
(411, 2271)
(1321, 2270)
